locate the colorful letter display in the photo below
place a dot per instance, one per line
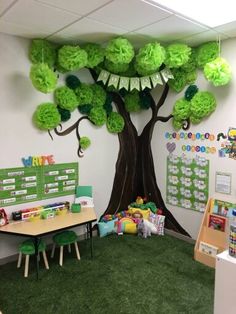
(28, 184)
(187, 182)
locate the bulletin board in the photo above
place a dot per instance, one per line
(28, 184)
(187, 182)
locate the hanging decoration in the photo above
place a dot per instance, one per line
(138, 83)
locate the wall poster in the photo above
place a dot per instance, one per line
(187, 182)
(28, 184)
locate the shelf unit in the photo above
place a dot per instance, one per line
(210, 236)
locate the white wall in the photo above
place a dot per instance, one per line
(18, 137)
(219, 121)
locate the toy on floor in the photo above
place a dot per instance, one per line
(146, 228)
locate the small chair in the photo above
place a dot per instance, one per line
(27, 248)
(65, 238)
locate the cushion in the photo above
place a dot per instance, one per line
(145, 212)
(27, 247)
(130, 228)
(65, 237)
(158, 221)
(108, 227)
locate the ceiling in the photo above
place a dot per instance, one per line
(70, 21)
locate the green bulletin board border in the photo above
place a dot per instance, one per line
(29, 184)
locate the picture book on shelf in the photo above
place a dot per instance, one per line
(223, 208)
(217, 223)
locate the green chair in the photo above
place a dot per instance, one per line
(65, 238)
(27, 248)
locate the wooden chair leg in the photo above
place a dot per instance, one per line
(61, 256)
(45, 260)
(19, 260)
(69, 248)
(77, 251)
(26, 265)
(53, 250)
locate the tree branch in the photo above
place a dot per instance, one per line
(164, 119)
(163, 97)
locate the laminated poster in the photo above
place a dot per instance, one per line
(187, 182)
(28, 184)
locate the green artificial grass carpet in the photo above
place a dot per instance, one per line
(127, 275)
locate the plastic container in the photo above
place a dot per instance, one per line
(232, 235)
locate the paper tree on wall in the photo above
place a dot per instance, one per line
(124, 79)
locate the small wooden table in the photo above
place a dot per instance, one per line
(40, 228)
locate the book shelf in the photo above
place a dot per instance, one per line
(210, 241)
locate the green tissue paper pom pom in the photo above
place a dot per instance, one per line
(95, 54)
(202, 104)
(150, 58)
(85, 142)
(66, 98)
(116, 67)
(72, 81)
(64, 113)
(132, 102)
(206, 53)
(84, 94)
(177, 55)
(99, 95)
(85, 109)
(190, 92)
(119, 50)
(179, 81)
(191, 65)
(42, 51)
(72, 58)
(181, 110)
(218, 72)
(46, 116)
(191, 77)
(195, 120)
(177, 125)
(98, 116)
(43, 78)
(115, 123)
(142, 71)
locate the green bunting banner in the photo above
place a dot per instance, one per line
(138, 83)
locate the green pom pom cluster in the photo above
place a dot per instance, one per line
(46, 116)
(177, 125)
(95, 54)
(202, 104)
(119, 50)
(179, 81)
(132, 102)
(99, 95)
(84, 142)
(150, 58)
(115, 123)
(207, 53)
(64, 113)
(85, 109)
(66, 98)
(191, 64)
(98, 116)
(43, 78)
(116, 67)
(72, 57)
(177, 55)
(84, 94)
(42, 51)
(218, 72)
(181, 110)
(72, 81)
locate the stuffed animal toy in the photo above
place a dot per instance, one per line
(146, 228)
